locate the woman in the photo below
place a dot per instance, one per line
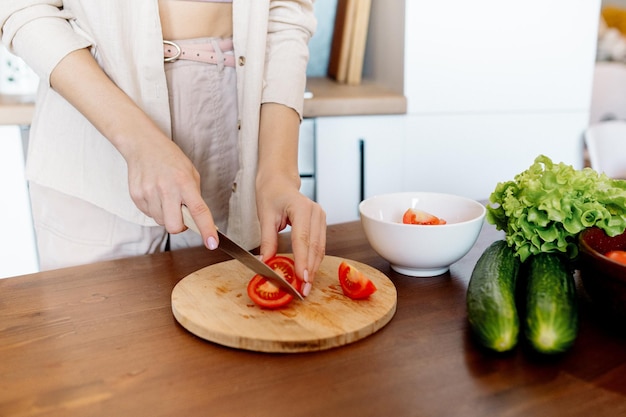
(121, 139)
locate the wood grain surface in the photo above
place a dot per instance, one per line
(100, 340)
(212, 303)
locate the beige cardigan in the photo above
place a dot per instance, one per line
(68, 154)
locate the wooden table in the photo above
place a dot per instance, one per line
(100, 340)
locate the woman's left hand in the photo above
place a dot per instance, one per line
(279, 200)
(280, 203)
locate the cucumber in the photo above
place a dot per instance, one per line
(491, 308)
(551, 324)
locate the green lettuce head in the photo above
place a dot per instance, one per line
(545, 207)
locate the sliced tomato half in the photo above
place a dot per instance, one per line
(265, 293)
(415, 216)
(617, 256)
(353, 283)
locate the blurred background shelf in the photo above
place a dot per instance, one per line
(16, 109)
(330, 98)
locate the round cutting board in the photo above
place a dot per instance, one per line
(213, 303)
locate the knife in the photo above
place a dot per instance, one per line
(237, 252)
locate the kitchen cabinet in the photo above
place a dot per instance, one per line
(357, 157)
(489, 85)
(18, 253)
(306, 158)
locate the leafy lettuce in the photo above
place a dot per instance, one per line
(545, 207)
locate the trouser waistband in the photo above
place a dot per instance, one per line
(210, 52)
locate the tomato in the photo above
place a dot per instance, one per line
(415, 216)
(353, 283)
(265, 293)
(617, 256)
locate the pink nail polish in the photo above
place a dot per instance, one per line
(306, 289)
(211, 243)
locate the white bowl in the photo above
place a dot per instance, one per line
(418, 250)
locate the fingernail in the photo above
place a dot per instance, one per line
(306, 275)
(211, 243)
(306, 289)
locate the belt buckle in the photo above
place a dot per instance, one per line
(178, 51)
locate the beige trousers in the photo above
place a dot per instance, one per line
(203, 104)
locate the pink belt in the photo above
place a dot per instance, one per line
(200, 52)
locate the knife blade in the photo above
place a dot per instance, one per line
(239, 253)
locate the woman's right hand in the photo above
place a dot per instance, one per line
(161, 179)
(160, 176)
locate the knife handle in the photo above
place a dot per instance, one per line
(188, 220)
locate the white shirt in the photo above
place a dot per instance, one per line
(68, 154)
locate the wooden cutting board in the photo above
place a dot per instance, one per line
(212, 303)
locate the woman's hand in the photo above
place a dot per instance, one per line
(279, 201)
(161, 178)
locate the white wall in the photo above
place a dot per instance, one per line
(487, 92)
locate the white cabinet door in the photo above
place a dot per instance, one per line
(18, 254)
(306, 148)
(306, 158)
(468, 154)
(493, 55)
(357, 157)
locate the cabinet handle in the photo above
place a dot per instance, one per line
(362, 169)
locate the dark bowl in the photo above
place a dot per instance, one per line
(604, 279)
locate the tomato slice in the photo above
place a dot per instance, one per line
(617, 256)
(265, 293)
(415, 216)
(353, 283)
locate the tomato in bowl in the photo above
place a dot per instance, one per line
(421, 250)
(603, 277)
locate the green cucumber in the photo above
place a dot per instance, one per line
(491, 308)
(551, 307)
